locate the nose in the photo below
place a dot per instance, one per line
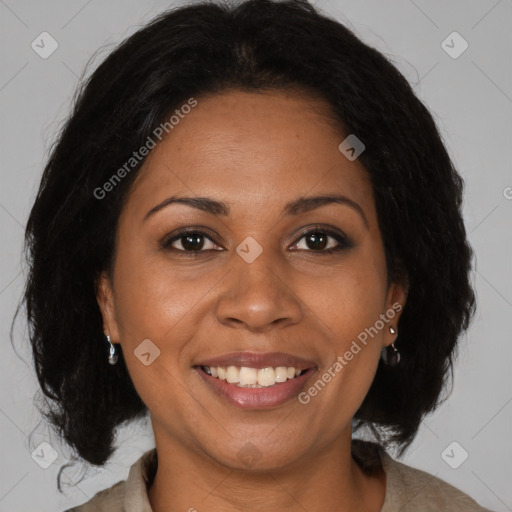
(256, 296)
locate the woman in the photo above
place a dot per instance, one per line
(242, 232)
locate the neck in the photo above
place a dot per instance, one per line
(325, 480)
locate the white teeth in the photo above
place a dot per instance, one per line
(232, 374)
(253, 377)
(266, 377)
(282, 373)
(248, 376)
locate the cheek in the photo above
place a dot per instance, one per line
(164, 393)
(153, 304)
(156, 302)
(354, 298)
(351, 309)
(351, 306)
(152, 298)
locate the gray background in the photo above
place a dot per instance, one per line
(471, 98)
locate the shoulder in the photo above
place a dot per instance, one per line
(110, 499)
(412, 489)
(129, 495)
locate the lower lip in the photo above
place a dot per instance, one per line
(257, 398)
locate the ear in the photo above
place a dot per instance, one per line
(395, 303)
(106, 303)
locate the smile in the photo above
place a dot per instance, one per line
(246, 377)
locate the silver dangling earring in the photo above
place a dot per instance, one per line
(112, 356)
(390, 354)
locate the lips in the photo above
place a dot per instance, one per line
(258, 360)
(256, 396)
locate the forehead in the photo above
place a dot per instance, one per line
(251, 150)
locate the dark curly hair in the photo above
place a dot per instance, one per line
(207, 48)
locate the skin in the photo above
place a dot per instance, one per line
(255, 152)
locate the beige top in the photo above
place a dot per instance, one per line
(407, 489)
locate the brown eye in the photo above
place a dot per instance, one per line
(323, 241)
(193, 241)
(316, 240)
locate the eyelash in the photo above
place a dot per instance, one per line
(343, 241)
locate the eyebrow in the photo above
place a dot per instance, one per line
(297, 207)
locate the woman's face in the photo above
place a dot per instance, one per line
(259, 290)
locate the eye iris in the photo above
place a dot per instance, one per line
(192, 242)
(316, 241)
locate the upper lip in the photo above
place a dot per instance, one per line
(258, 360)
